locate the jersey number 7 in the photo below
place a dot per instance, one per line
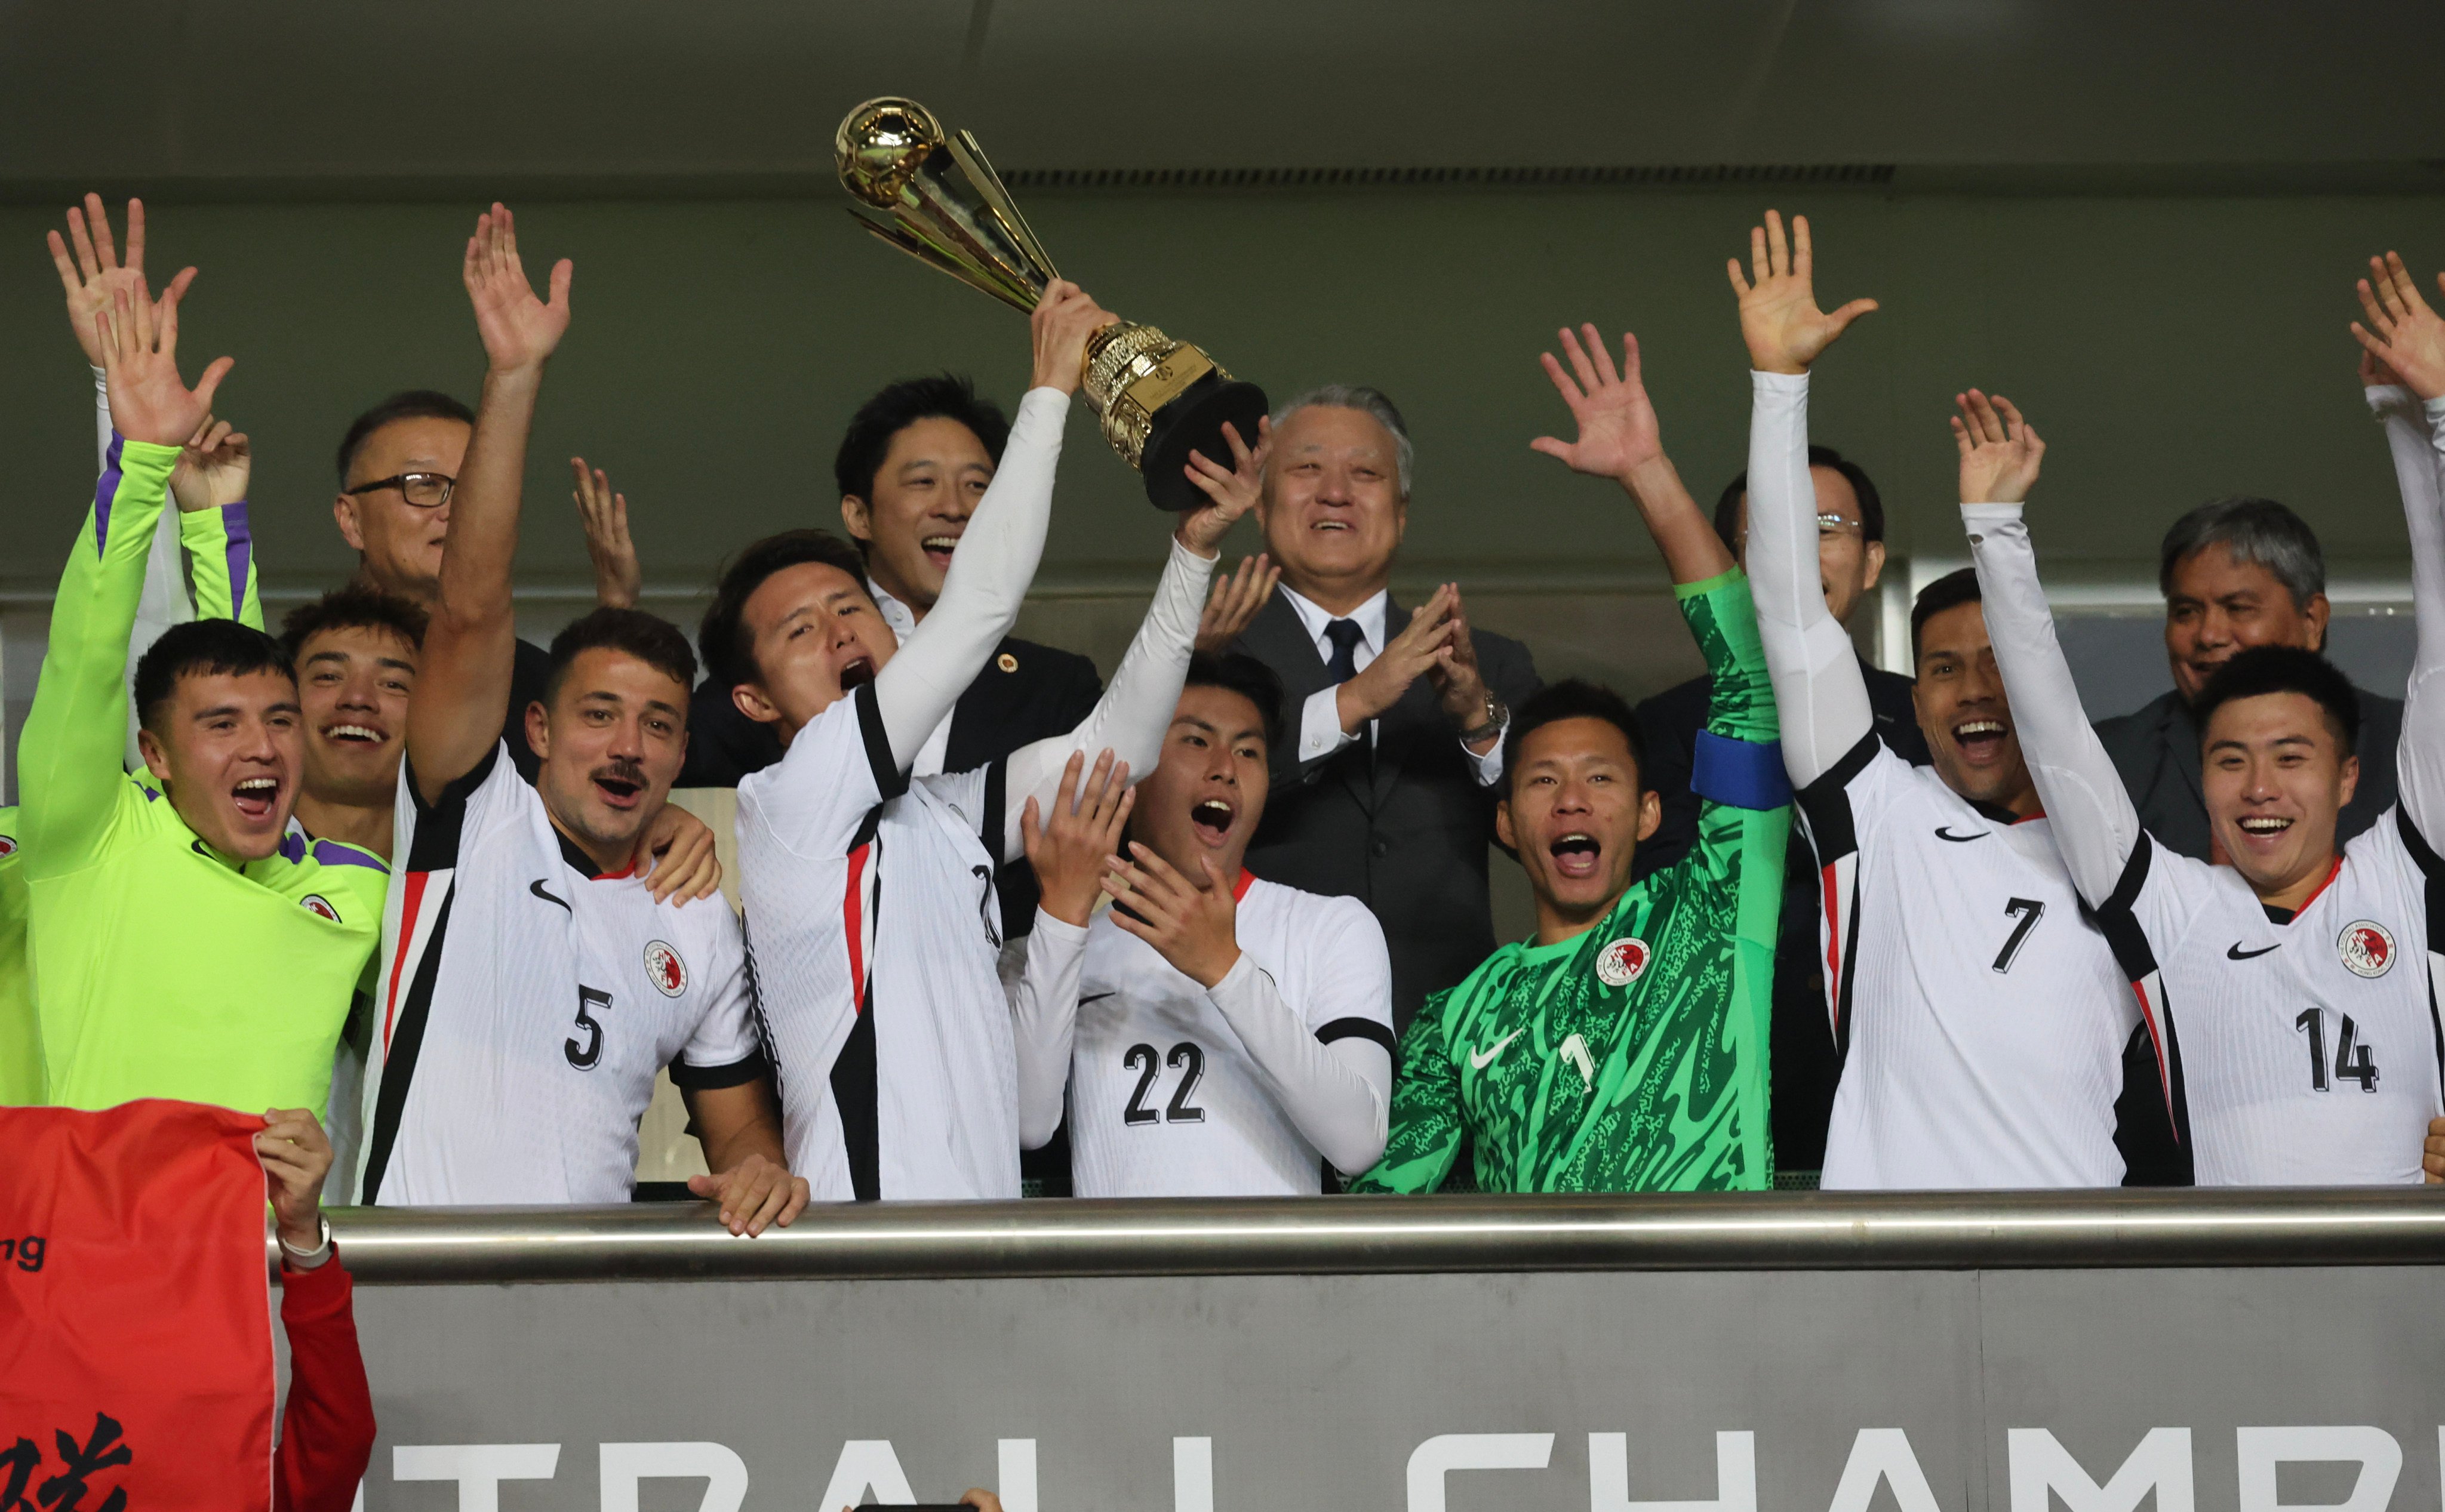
(2028, 910)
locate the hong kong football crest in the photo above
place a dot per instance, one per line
(8, 845)
(314, 903)
(664, 969)
(2367, 948)
(1620, 963)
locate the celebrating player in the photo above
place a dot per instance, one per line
(1622, 1047)
(1226, 1036)
(532, 985)
(2287, 991)
(1980, 1014)
(870, 897)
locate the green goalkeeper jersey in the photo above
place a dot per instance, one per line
(1631, 1058)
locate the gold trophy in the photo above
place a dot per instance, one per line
(933, 195)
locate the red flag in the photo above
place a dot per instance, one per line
(134, 1310)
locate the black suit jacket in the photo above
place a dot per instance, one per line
(1805, 1061)
(2156, 750)
(1026, 692)
(1403, 827)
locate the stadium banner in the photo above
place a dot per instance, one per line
(1760, 1391)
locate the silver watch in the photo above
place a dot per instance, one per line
(1496, 716)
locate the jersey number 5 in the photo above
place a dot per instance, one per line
(2352, 1061)
(1142, 1059)
(584, 1057)
(2028, 910)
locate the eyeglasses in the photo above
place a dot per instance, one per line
(1827, 526)
(426, 491)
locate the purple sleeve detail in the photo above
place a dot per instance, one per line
(293, 847)
(103, 492)
(241, 549)
(331, 853)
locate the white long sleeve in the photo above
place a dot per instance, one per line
(2415, 434)
(1040, 982)
(986, 585)
(2094, 824)
(1339, 1095)
(1819, 695)
(1135, 710)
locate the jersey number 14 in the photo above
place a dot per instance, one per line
(2352, 1061)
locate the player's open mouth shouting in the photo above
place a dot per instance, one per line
(1576, 853)
(257, 798)
(622, 784)
(1211, 818)
(1981, 740)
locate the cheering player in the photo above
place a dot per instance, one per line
(869, 896)
(531, 986)
(1226, 1036)
(1980, 1013)
(2289, 992)
(1622, 1047)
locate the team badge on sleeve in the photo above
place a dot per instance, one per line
(8, 845)
(314, 903)
(1620, 964)
(664, 969)
(2367, 948)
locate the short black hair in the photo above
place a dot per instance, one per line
(1571, 698)
(728, 648)
(945, 396)
(1872, 504)
(1236, 672)
(2264, 670)
(356, 606)
(414, 404)
(650, 638)
(202, 648)
(1951, 592)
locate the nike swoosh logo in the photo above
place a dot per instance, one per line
(536, 887)
(1942, 832)
(1097, 997)
(2234, 952)
(1480, 1061)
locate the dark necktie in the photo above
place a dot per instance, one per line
(1343, 665)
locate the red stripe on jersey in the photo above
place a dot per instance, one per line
(2164, 1072)
(1239, 888)
(409, 906)
(621, 876)
(2332, 872)
(853, 918)
(1833, 949)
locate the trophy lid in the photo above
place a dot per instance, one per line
(880, 146)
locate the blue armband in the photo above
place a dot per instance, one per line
(1744, 774)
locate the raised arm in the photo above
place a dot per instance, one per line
(1620, 438)
(2094, 824)
(2405, 374)
(210, 485)
(1069, 843)
(989, 574)
(462, 684)
(1819, 695)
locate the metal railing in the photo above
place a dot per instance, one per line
(1314, 1236)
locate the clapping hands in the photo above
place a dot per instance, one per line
(1780, 321)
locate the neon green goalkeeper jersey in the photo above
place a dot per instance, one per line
(1631, 1058)
(163, 968)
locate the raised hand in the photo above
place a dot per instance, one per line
(2000, 451)
(2402, 335)
(520, 332)
(1063, 320)
(1229, 493)
(140, 360)
(296, 1156)
(1069, 849)
(1780, 321)
(1617, 428)
(212, 467)
(1236, 602)
(96, 272)
(618, 580)
(1191, 922)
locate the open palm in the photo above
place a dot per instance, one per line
(148, 401)
(1780, 321)
(2404, 336)
(519, 331)
(1617, 426)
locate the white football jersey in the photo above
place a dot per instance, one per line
(1979, 1009)
(527, 1002)
(874, 933)
(1165, 1099)
(2306, 1052)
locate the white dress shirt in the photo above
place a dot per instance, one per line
(1320, 731)
(903, 620)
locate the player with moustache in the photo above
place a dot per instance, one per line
(2292, 993)
(532, 985)
(1979, 1011)
(1222, 1035)
(869, 895)
(1623, 1047)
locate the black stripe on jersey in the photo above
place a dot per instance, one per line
(438, 824)
(1834, 834)
(994, 824)
(2138, 958)
(857, 1091)
(890, 781)
(2431, 872)
(406, 1039)
(1360, 1029)
(755, 1008)
(706, 1078)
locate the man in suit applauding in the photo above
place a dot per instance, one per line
(1392, 734)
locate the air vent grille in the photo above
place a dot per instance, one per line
(1868, 176)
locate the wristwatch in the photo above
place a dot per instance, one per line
(1496, 716)
(305, 1260)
